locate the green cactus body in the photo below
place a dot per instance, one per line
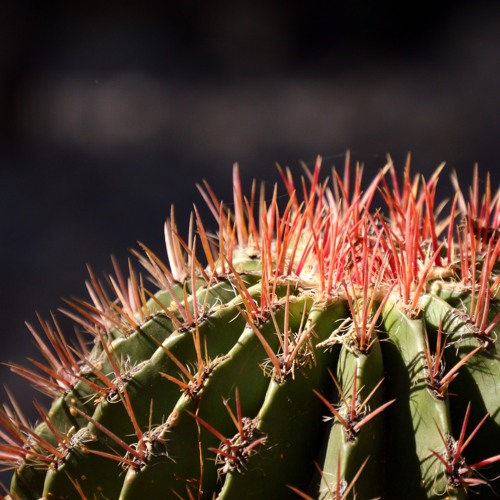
(289, 406)
(325, 349)
(428, 412)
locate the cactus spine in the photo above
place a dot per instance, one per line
(324, 350)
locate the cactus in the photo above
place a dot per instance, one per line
(315, 347)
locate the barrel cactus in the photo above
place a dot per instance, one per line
(314, 346)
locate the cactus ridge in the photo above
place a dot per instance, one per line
(314, 347)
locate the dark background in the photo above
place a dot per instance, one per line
(111, 112)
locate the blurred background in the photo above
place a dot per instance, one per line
(110, 112)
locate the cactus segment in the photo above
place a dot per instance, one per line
(476, 380)
(463, 337)
(183, 434)
(289, 407)
(134, 348)
(27, 481)
(354, 436)
(427, 409)
(143, 384)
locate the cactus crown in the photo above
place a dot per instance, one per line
(323, 349)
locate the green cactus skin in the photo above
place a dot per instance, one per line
(326, 350)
